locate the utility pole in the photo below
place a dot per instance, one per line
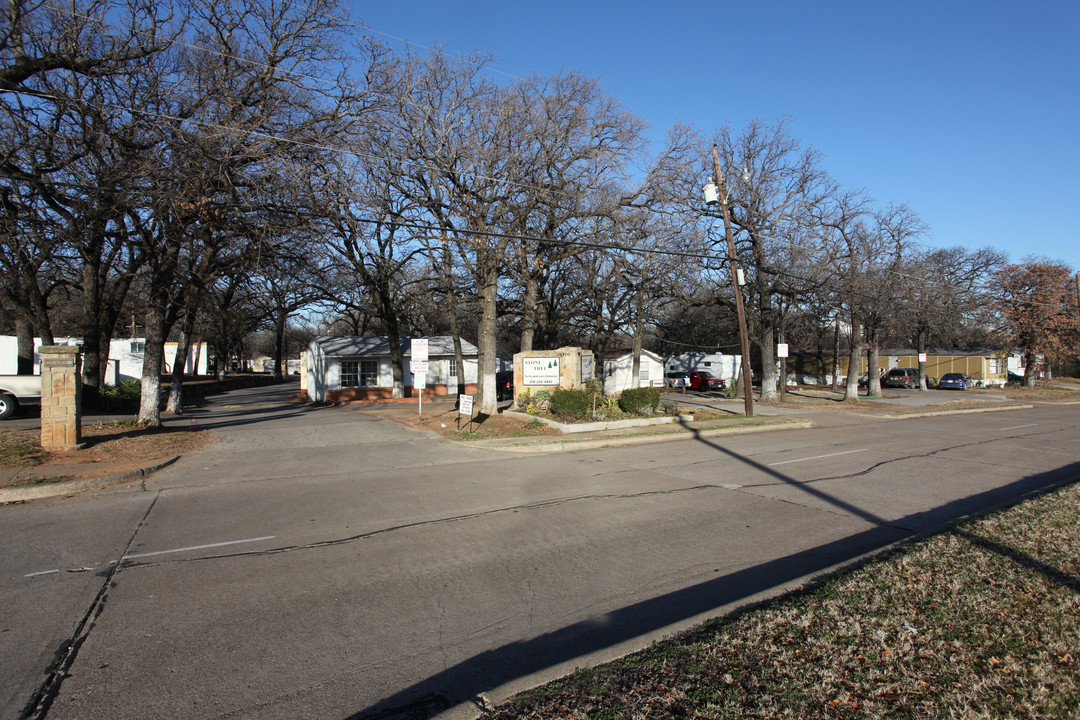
(748, 395)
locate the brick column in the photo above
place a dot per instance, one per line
(61, 398)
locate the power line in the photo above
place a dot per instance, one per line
(693, 345)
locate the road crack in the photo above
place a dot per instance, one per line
(41, 701)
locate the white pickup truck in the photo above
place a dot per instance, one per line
(16, 391)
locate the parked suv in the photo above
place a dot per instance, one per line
(902, 377)
(703, 380)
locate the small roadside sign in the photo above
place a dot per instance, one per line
(781, 350)
(464, 408)
(418, 349)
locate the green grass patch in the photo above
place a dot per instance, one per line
(980, 621)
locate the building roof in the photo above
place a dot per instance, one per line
(616, 354)
(372, 346)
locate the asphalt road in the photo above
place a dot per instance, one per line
(320, 562)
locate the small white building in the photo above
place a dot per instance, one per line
(725, 367)
(339, 369)
(125, 357)
(619, 372)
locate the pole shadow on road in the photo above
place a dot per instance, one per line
(466, 681)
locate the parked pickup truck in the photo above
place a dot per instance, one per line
(16, 391)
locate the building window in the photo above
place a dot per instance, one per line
(350, 373)
(138, 347)
(369, 373)
(452, 365)
(359, 373)
(643, 372)
(996, 366)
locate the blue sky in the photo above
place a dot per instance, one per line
(966, 111)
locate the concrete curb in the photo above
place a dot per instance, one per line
(71, 487)
(966, 411)
(601, 426)
(570, 445)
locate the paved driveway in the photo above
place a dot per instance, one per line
(319, 562)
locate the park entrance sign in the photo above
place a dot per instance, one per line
(540, 371)
(567, 367)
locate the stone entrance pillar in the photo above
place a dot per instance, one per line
(61, 397)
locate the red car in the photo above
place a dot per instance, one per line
(703, 380)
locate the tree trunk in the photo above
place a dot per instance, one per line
(836, 353)
(1030, 368)
(25, 334)
(91, 327)
(175, 405)
(768, 365)
(153, 361)
(851, 389)
(528, 313)
(487, 343)
(280, 318)
(873, 362)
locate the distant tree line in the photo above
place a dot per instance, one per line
(207, 170)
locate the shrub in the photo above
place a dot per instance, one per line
(124, 397)
(571, 404)
(640, 401)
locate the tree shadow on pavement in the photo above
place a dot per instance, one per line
(543, 655)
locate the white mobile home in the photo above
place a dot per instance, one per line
(725, 367)
(619, 372)
(340, 369)
(125, 357)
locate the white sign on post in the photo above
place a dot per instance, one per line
(465, 405)
(418, 349)
(418, 367)
(922, 357)
(781, 350)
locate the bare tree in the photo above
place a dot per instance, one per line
(91, 39)
(775, 184)
(946, 296)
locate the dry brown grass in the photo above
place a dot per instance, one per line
(982, 621)
(106, 445)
